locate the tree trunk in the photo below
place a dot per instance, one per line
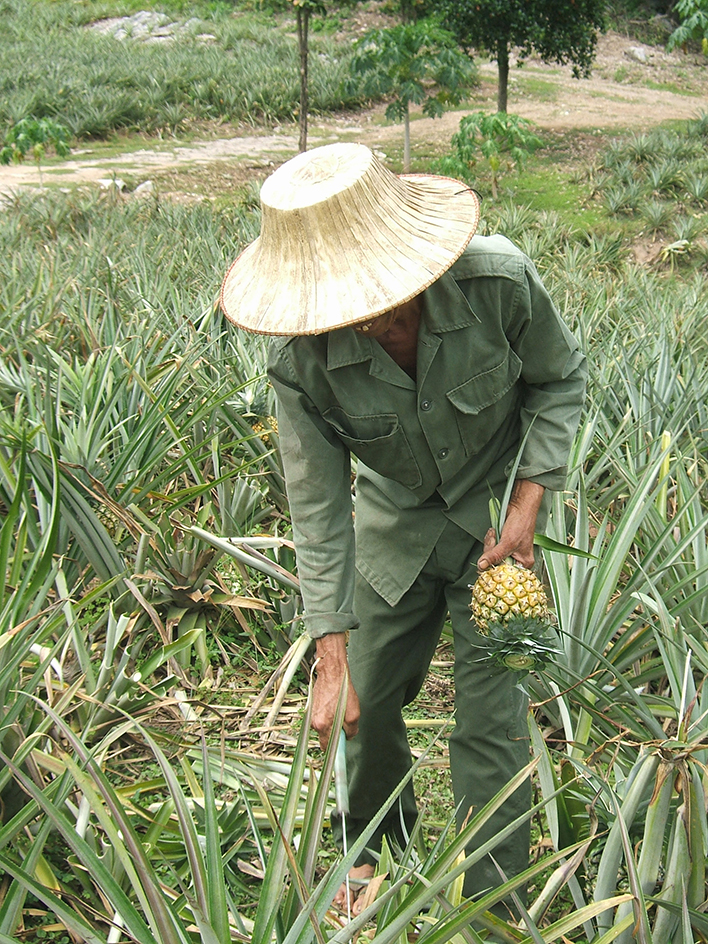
(303, 23)
(407, 12)
(503, 64)
(406, 142)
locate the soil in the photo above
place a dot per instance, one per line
(633, 86)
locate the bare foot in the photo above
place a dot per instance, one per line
(358, 880)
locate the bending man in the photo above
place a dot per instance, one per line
(427, 354)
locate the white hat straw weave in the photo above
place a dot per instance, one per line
(343, 239)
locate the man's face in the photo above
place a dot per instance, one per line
(376, 327)
(379, 325)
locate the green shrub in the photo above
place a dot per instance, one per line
(688, 227)
(623, 198)
(696, 187)
(656, 214)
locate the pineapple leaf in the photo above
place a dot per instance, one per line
(548, 544)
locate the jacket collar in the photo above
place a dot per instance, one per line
(445, 308)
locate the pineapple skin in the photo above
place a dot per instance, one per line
(504, 592)
(262, 430)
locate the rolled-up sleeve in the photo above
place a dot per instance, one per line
(554, 374)
(318, 474)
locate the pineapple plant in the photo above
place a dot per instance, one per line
(510, 608)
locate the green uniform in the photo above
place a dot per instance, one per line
(493, 358)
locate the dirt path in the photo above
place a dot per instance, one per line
(632, 87)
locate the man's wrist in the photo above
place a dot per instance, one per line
(331, 651)
(527, 495)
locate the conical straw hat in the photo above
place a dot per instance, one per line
(343, 239)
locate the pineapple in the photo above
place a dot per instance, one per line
(510, 608)
(504, 591)
(262, 430)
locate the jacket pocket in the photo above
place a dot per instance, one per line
(484, 401)
(379, 441)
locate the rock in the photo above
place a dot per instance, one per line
(149, 27)
(106, 26)
(149, 19)
(638, 53)
(111, 183)
(144, 189)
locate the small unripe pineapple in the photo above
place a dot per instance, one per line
(510, 608)
(263, 430)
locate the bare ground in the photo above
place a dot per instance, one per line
(622, 93)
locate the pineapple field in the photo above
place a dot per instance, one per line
(158, 780)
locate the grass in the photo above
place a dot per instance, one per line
(95, 85)
(669, 87)
(621, 74)
(224, 177)
(549, 190)
(125, 141)
(594, 93)
(532, 87)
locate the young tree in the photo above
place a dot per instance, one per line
(303, 10)
(500, 139)
(34, 135)
(416, 63)
(556, 30)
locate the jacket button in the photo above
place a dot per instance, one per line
(444, 452)
(426, 404)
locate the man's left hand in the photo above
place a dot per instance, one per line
(516, 539)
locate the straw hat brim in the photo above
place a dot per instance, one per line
(371, 246)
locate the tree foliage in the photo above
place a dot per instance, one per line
(563, 31)
(34, 135)
(412, 10)
(501, 139)
(416, 64)
(694, 24)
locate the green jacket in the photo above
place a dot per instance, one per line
(493, 357)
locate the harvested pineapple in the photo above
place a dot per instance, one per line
(510, 608)
(504, 591)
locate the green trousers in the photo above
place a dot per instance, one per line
(389, 656)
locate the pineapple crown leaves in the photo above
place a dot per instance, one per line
(520, 644)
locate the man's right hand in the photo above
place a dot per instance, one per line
(331, 669)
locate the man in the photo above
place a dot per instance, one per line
(427, 354)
